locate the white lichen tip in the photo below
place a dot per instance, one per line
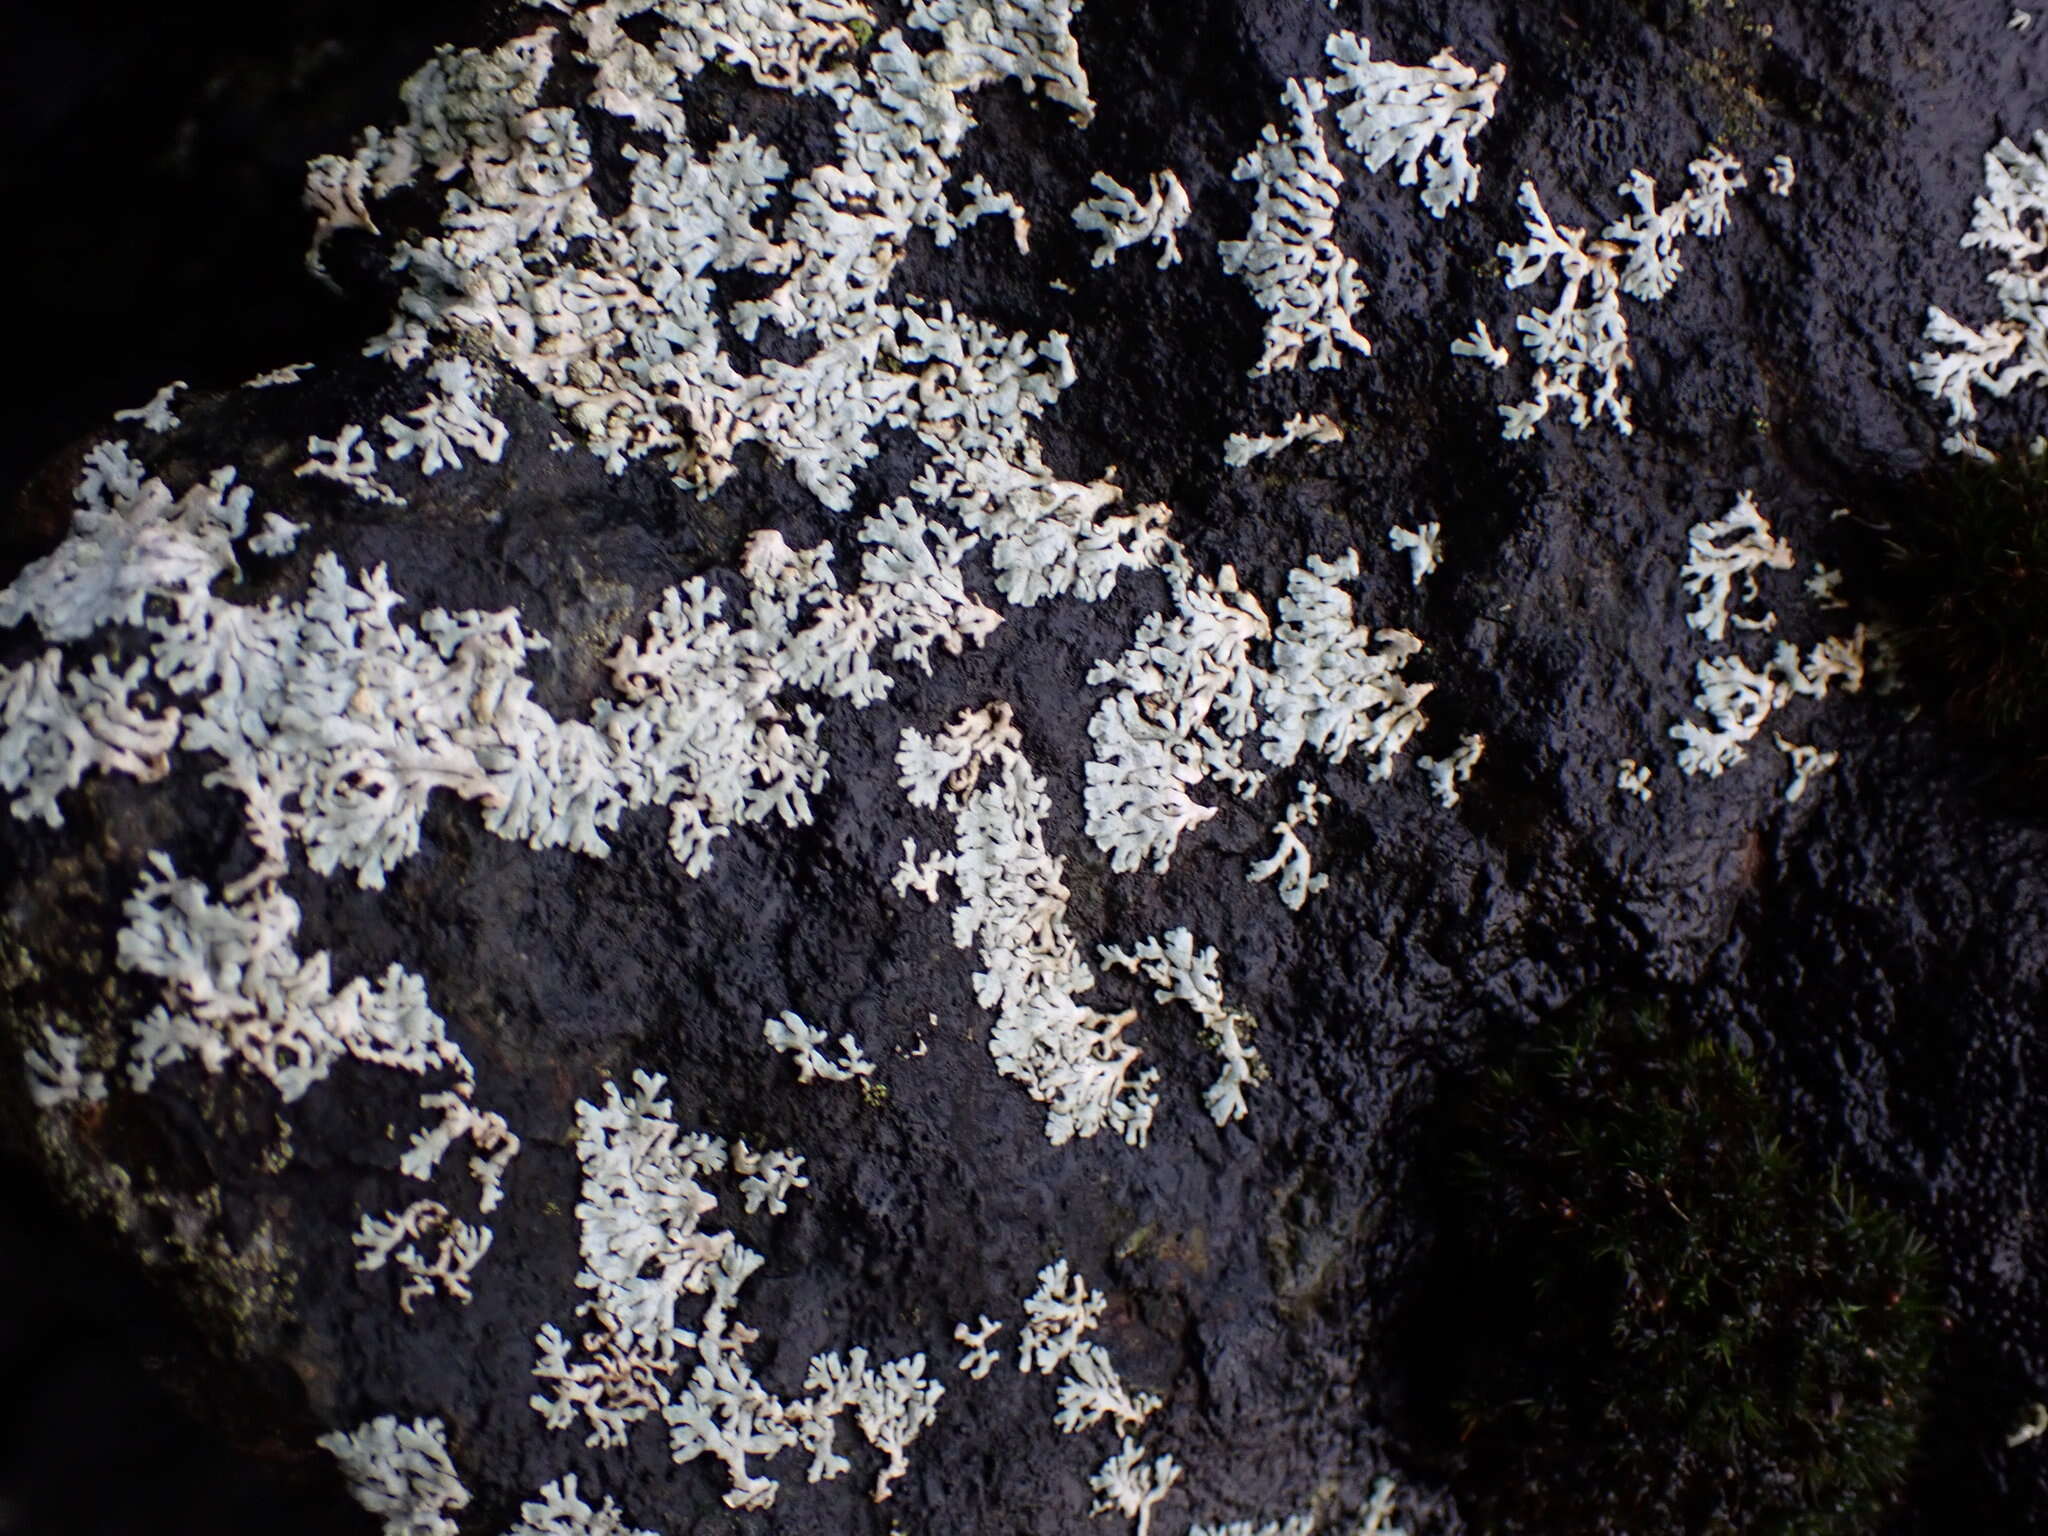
(1132, 1486)
(290, 373)
(1376, 1519)
(2019, 20)
(1192, 692)
(1808, 763)
(1289, 258)
(1424, 546)
(1337, 684)
(1290, 859)
(1122, 221)
(1057, 1315)
(401, 1472)
(1293, 1525)
(979, 1359)
(1738, 699)
(1445, 776)
(561, 1511)
(1318, 431)
(951, 762)
(1030, 41)
(1650, 238)
(1723, 551)
(348, 458)
(278, 536)
(983, 202)
(1633, 778)
(1187, 700)
(790, 1034)
(1825, 587)
(1400, 113)
(156, 415)
(892, 1408)
(1094, 1392)
(1181, 973)
(1481, 346)
(1716, 176)
(1968, 445)
(56, 1076)
(770, 1177)
(400, 1237)
(1780, 176)
(2032, 1427)
(460, 1119)
(449, 422)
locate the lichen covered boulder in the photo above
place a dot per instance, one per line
(814, 849)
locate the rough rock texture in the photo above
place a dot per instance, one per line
(1880, 940)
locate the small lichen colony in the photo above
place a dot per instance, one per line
(1121, 220)
(1737, 697)
(1417, 116)
(2000, 357)
(1290, 258)
(1582, 340)
(646, 1251)
(1191, 693)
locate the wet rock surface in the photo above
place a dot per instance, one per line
(1879, 941)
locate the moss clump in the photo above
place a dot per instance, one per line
(1970, 544)
(1660, 1321)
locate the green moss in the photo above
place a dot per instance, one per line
(1135, 1245)
(241, 1295)
(1969, 543)
(278, 1157)
(1313, 1230)
(1663, 1322)
(239, 1285)
(1727, 80)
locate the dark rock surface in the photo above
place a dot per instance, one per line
(1880, 941)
